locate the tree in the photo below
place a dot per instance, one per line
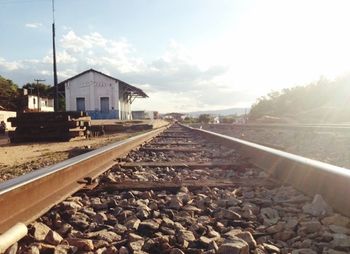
(323, 100)
(189, 119)
(205, 118)
(8, 93)
(39, 88)
(229, 119)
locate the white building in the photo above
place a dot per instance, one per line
(100, 95)
(36, 103)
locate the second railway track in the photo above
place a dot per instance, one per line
(189, 191)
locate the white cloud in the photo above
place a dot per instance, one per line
(173, 80)
(62, 57)
(74, 43)
(8, 65)
(33, 25)
(96, 39)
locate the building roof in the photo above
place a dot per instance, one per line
(133, 90)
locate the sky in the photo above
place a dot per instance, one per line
(187, 55)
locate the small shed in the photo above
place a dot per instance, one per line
(100, 95)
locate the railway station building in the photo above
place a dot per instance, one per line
(100, 95)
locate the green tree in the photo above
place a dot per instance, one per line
(39, 88)
(321, 101)
(229, 119)
(204, 118)
(8, 94)
(189, 119)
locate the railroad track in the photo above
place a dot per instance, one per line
(182, 191)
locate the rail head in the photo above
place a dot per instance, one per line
(25, 198)
(295, 127)
(43, 172)
(308, 175)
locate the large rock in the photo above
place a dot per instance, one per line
(65, 249)
(53, 238)
(175, 203)
(176, 251)
(304, 251)
(230, 215)
(318, 207)
(100, 218)
(205, 241)
(108, 236)
(134, 237)
(64, 229)
(213, 234)
(33, 250)
(40, 231)
(341, 240)
(46, 248)
(71, 205)
(336, 219)
(186, 235)
(133, 224)
(234, 245)
(269, 215)
(167, 231)
(136, 246)
(81, 244)
(332, 251)
(168, 222)
(244, 235)
(271, 248)
(276, 228)
(148, 226)
(284, 235)
(339, 229)
(310, 226)
(291, 223)
(80, 220)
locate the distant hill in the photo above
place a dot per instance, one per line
(221, 112)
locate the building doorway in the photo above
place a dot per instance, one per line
(80, 104)
(104, 104)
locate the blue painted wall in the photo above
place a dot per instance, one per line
(112, 114)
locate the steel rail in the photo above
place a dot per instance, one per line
(307, 175)
(300, 127)
(25, 198)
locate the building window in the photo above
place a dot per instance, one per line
(34, 101)
(80, 104)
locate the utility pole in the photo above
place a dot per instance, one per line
(54, 58)
(37, 89)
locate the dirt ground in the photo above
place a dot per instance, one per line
(19, 159)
